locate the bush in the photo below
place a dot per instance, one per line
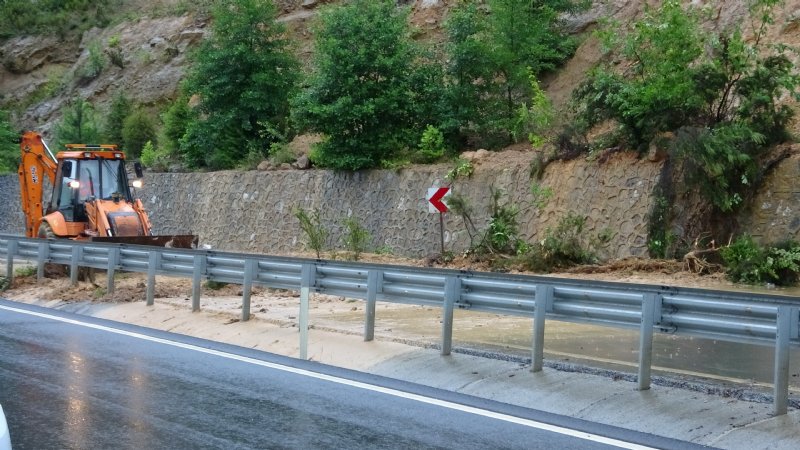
(431, 146)
(315, 231)
(115, 118)
(94, 64)
(747, 262)
(356, 238)
(721, 95)
(566, 245)
(138, 129)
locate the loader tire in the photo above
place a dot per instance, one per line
(51, 270)
(60, 270)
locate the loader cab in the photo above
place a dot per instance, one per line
(88, 176)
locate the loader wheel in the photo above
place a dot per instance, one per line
(60, 270)
(51, 270)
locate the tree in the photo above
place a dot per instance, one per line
(243, 75)
(119, 110)
(492, 55)
(138, 129)
(720, 95)
(372, 93)
(78, 125)
(9, 147)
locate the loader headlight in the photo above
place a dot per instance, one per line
(74, 184)
(137, 184)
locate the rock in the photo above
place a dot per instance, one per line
(285, 166)
(264, 165)
(302, 163)
(659, 147)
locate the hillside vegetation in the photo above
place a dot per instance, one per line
(710, 87)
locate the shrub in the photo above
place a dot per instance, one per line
(94, 65)
(431, 146)
(356, 238)
(566, 245)
(315, 231)
(721, 95)
(747, 262)
(137, 129)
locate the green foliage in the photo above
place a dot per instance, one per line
(115, 118)
(721, 95)
(175, 120)
(244, 75)
(566, 245)
(280, 153)
(356, 238)
(372, 91)
(26, 271)
(4, 283)
(114, 52)
(138, 129)
(315, 231)
(24, 17)
(747, 262)
(154, 158)
(502, 233)
(431, 146)
(491, 57)
(94, 65)
(463, 169)
(9, 145)
(214, 285)
(78, 124)
(534, 121)
(660, 240)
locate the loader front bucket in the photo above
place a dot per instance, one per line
(169, 241)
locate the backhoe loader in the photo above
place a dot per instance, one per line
(91, 197)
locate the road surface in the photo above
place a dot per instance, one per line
(68, 381)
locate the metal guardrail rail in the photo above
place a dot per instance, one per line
(770, 320)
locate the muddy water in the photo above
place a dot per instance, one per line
(595, 346)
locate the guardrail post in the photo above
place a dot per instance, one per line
(306, 281)
(783, 329)
(42, 255)
(247, 286)
(77, 255)
(11, 249)
(544, 302)
(154, 258)
(452, 291)
(646, 340)
(199, 269)
(113, 257)
(373, 280)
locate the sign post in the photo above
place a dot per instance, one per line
(436, 197)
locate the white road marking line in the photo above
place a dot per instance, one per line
(357, 384)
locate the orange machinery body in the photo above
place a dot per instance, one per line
(91, 197)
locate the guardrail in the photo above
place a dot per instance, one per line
(763, 319)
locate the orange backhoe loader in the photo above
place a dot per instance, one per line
(91, 197)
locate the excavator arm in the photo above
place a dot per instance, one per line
(37, 163)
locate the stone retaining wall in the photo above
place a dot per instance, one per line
(253, 211)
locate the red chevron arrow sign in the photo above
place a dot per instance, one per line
(436, 197)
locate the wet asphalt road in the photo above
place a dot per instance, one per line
(66, 385)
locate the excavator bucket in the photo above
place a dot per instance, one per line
(169, 241)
